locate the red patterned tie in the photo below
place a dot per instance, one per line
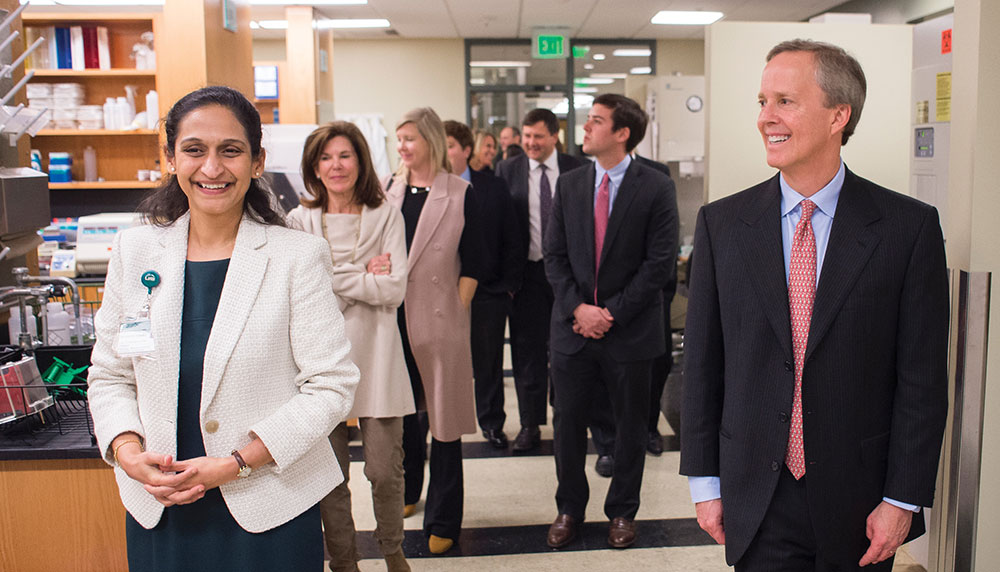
(600, 226)
(801, 292)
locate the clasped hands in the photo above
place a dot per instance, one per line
(176, 482)
(592, 321)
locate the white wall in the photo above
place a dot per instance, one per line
(392, 77)
(735, 53)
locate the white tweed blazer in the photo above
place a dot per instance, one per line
(266, 371)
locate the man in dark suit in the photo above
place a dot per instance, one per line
(815, 382)
(501, 263)
(602, 424)
(532, 181)
(665, 362)
(608, 250)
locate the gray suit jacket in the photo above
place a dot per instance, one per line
(276, 366)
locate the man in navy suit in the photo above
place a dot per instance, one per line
(609, 248)
(815, 382)
(532, 181)
(501, 264)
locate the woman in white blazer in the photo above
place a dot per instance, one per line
(216, 418)
(368, 246)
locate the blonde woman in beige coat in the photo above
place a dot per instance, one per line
(368, 247)
(444, 248)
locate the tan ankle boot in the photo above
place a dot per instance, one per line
(396, 562)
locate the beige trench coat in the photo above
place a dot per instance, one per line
(369, 304)
(436, 321)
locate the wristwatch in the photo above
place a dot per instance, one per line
(244, 467)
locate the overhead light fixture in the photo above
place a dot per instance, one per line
(641, 70)
(599, 57)
(477, 81)
(97, 3)
(351, 23)
(594, 80)
(632, 52)
(683, 18)
(270, 24)
(610, 75)
(499, 64)
(584, 90)
(588, 66)
(310, 2)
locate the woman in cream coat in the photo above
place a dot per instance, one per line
(216, 422)
(368, 247)
(444, 252)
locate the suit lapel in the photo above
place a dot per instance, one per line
(587, 207)
(851, 245)
(626, 193)
(523, 187)
(760, 244)
(430, 216)
(247, 268)
(168, 306)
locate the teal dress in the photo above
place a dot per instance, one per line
(203, 535)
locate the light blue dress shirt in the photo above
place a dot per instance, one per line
(467, 174)
(708, 488)
(615, 176)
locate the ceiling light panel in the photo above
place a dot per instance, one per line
(632, 52)
(681, 18)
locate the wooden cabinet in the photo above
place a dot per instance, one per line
(120, 154)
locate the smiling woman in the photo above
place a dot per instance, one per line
(207, 451)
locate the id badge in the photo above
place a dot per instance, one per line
(135, 338)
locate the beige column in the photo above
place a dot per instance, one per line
(974, 225)
(298, 103)
(195, 49)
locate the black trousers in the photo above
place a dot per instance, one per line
(446, 487)
(786, 539)
(489, 316)
(529, 344)
(661, 371)
(661, 368)
(578, 380)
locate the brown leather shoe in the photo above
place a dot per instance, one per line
(562, 531)
(621, 533)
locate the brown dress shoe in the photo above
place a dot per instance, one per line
(562, 531)
(621, 533)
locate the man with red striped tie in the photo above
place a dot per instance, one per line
(609, 249)
(815, 367)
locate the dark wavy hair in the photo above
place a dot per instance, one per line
(625, 112)
(367, 190)
(168, 202)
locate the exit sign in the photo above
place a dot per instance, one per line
(549, 44)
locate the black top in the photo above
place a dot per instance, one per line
(202, 289)
(469, 247)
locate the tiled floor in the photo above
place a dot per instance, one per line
(509, 503)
